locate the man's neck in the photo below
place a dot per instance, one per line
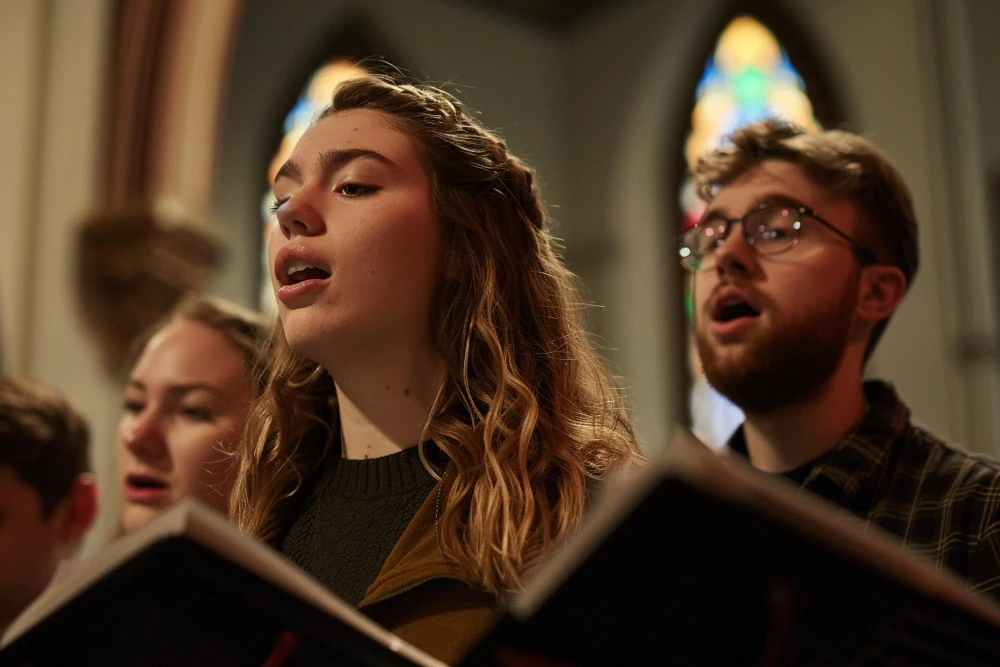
(794, 434)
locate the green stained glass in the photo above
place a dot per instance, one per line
(751, 87)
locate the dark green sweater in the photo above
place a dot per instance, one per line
(353, 516)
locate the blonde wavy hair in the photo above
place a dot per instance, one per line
(528, 415)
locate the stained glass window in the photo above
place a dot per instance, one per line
(315, 97)
(748, 77)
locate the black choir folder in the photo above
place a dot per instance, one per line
(191, 589)
(696, 560)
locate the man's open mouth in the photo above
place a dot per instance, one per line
(731, 309)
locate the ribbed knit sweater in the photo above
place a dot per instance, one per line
(354, 515)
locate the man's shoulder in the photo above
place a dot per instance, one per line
(916, 451)
(943, 461)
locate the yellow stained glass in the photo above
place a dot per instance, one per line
(749, 77)
(746, 43)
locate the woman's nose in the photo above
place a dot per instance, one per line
(298, 216)
(143, 435)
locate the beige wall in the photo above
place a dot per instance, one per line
(626, 70)
(55, 51)
(21, 23)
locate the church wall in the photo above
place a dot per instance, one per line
(20, 24)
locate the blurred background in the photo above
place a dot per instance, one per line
(138, 136)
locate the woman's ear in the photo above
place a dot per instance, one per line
(882, 288)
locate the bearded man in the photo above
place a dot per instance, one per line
(808, 244)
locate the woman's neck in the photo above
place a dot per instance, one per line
(384, 399)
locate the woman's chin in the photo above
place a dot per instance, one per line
(136, 516)
(309, 344)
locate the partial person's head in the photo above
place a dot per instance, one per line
(402, 220)
(186, 401)
(808, 243)
(47, 498)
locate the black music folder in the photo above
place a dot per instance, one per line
(698, 560)
(191, 589)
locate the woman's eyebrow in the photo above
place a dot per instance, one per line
(289, 170)
(331, 160)
(180, 389)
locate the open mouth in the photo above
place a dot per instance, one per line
(145, 483)
(295, 265)
(733, 308)
(299, 271)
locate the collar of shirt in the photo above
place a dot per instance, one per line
(849, 473)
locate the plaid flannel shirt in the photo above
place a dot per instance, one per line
(942, 502)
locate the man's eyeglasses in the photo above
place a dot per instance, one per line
(768, 230)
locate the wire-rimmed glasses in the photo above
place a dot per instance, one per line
(769, 229)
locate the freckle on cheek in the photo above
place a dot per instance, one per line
(406, 392)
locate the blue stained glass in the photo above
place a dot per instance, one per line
(711, 76)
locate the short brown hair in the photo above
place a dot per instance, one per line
(43, 438)
(843, 162)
